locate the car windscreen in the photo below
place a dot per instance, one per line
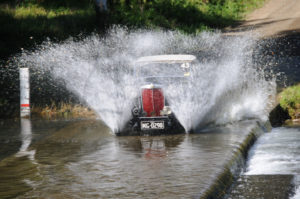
(164, 70)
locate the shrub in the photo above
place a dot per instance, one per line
(290, 100)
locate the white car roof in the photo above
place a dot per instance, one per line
(166, 59)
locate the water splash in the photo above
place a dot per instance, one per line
(226, 87)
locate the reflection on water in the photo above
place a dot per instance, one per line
(26, 137)
(19, 172)
(83, 160)
(154, 148)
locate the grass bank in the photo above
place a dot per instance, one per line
(287, 112)
(62, 110)
(186, 15)
(27, 23)
(289, 99)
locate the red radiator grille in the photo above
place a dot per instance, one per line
(153, 101)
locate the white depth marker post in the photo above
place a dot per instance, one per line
(24, 92)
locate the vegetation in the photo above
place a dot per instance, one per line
(62, 110)
(289, 100)
(186, 15)
(27, 23)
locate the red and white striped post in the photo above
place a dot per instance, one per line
(24, 92)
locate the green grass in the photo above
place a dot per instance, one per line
(30, 23)
(187, 15)
(289, 100)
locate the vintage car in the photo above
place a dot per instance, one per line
(151, 113)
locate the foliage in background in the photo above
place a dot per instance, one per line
(187, 15)
(62, 110)
(27, 23)
(289, 100)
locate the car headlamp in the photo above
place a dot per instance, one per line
(135, 111)
(166, 111)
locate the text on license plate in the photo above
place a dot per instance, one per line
(152, 125)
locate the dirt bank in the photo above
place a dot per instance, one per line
(277, 24)
(275, 18)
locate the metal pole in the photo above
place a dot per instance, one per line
(24, 92)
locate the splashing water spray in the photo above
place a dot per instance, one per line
(226, 87)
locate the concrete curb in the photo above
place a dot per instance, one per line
(220, 185)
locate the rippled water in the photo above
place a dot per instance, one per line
(81, 159)
(277, 152)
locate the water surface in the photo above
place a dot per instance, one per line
(83, 159)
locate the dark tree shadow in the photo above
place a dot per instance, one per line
(239, 27)
(170, 15)
(284, 49)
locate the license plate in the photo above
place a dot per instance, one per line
(146, 125)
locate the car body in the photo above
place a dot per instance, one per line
(151, 113)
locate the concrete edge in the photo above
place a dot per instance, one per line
(221, 184)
